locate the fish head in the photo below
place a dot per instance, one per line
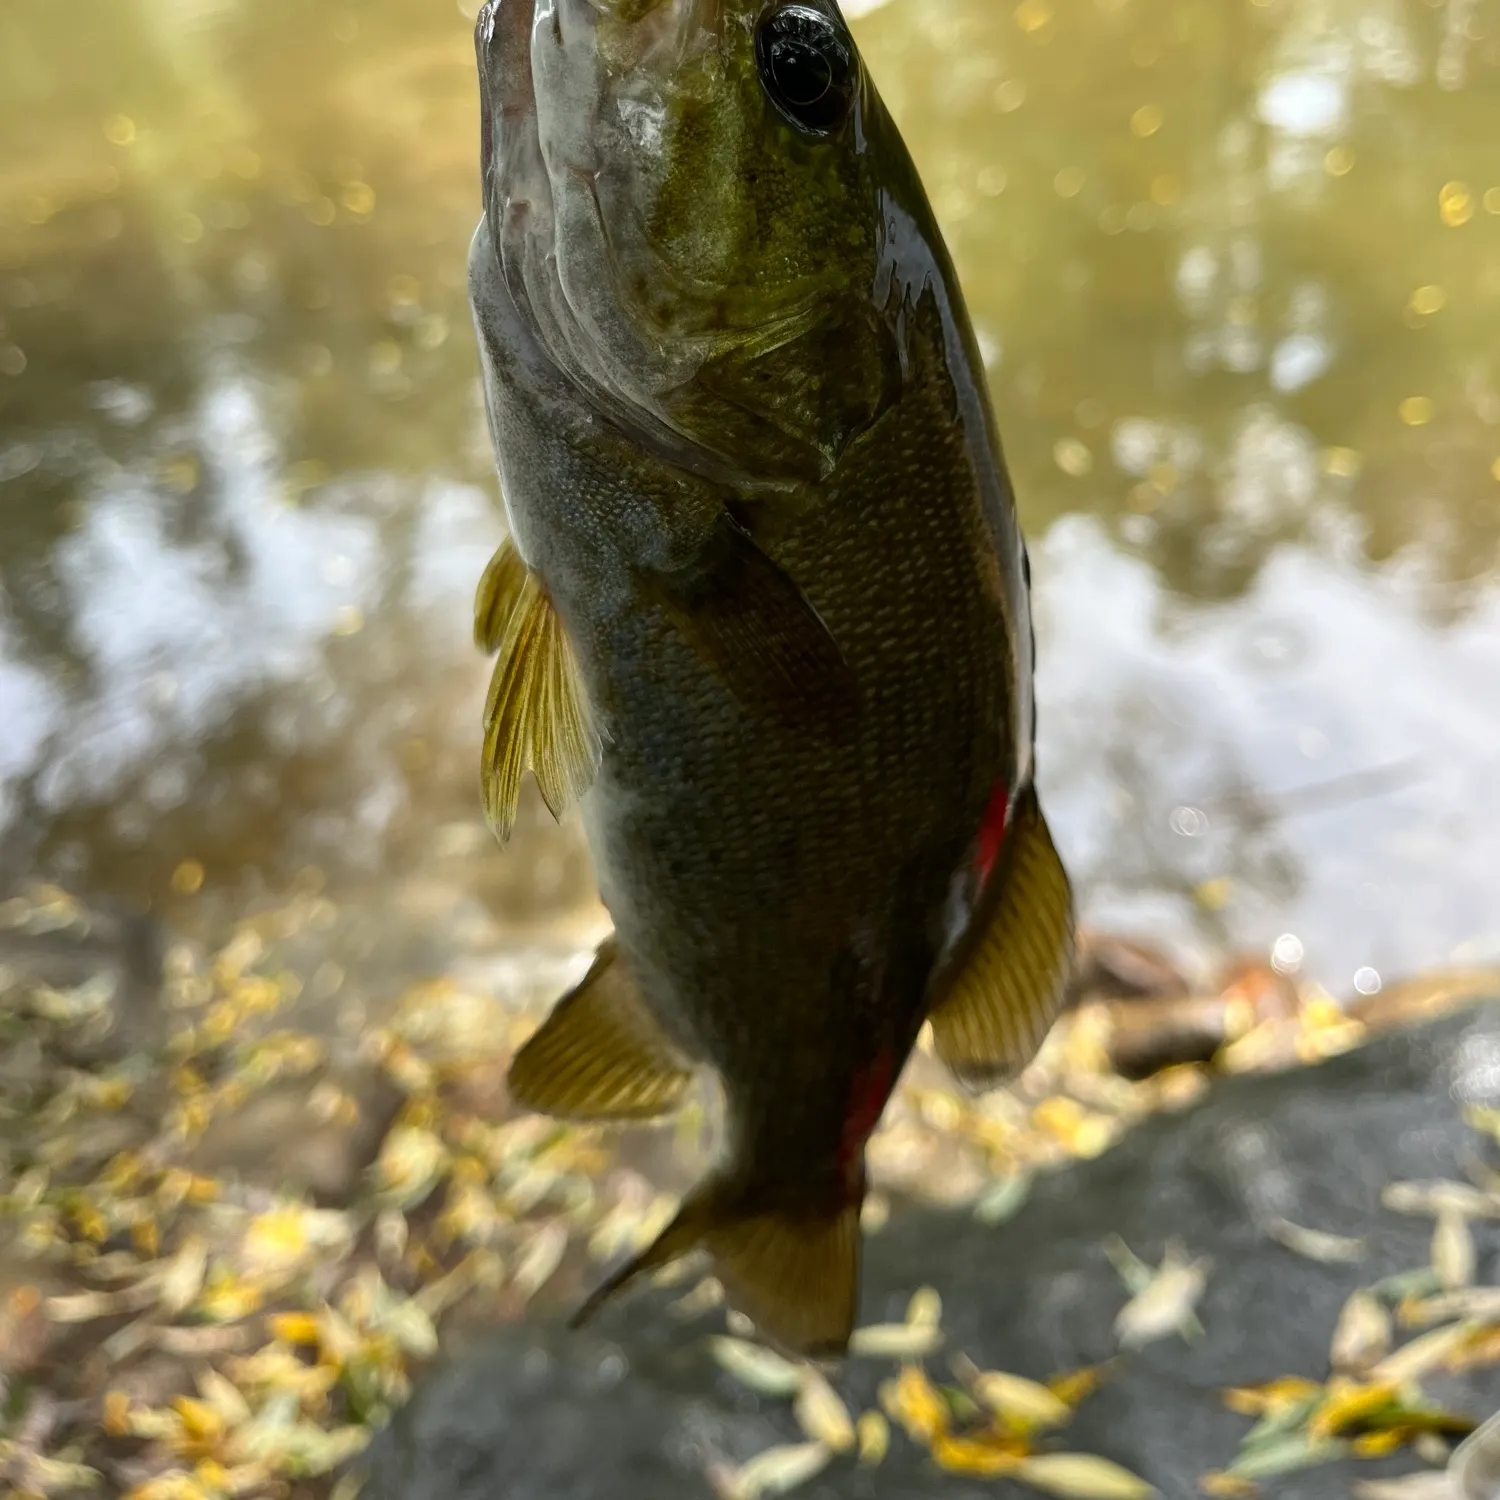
(685, 199)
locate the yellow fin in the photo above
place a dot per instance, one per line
(537, 717)
(793, 1272)
(750, 622)
(600, 1055)
(1005, 983)
(496, 598)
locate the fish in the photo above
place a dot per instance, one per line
(762, 614)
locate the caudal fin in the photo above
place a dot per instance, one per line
(793, 1272)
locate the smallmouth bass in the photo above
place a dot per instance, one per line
(764, 610)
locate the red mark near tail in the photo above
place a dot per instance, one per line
(992, 831)
(867, 1096)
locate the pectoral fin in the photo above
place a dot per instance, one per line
(600, 1055)
(536, 717)
(751, 623)
(497, 596)
(793, 1272)
(1006, 982)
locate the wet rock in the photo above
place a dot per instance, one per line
(634, 1407)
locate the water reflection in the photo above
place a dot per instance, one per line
(1236, 274)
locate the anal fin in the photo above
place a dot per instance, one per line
(1005, 983)
(794, 1272)
(536, 717)
(600, 1055)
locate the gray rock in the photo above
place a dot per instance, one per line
(634, 1407)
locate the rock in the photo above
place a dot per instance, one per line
(634, 1407)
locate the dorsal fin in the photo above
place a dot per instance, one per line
(1004, 985)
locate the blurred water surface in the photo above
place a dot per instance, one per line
(1235, 269)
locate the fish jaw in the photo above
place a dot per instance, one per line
(662, 230)
(565, 85)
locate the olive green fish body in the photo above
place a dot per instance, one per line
(761, 520)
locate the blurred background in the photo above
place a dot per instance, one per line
(1235, 271)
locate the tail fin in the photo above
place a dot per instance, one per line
(793, 1271)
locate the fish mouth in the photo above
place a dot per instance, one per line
(551, 111)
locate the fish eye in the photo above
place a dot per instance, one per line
(808, 67)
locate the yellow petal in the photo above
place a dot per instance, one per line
(276, 1241)
(1346, 1404)
(295, 1327)
(962, 1455)
(199, 1419)
(1076, 1386)
(874, 1434)
(116, 1413)
(1227, 1486)
(1273, 1397)
(915, 1404)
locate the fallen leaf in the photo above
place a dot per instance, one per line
(1024, 1404)
(1227, 1486)
(976, 1455)
(1432, 1197)
(1453, 1249)
(874, 1436)
(778, 1471)
(1081, 1476)
(1001, 1202)
(756, 1367)
(1165, 1305)
(822, 1415)
(915, 1404)
(1408, 1487)
(1285, 1455)
(1428, 1352)
(895, 1341)
(925, 1310)
(1362, 1335)
(1074, 1386)
(1275, 1395)
(1314, 1244)
(1346, 1403)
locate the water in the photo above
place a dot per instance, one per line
(1236, 271)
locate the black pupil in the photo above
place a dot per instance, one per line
(803, 74)
(808, 67)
